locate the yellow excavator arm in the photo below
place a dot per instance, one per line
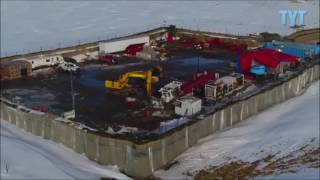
(122, 82)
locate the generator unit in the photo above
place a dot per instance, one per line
(215, 90)
(187, 106)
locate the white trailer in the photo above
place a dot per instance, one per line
(120, 44)
(188, 106)
(45, 61)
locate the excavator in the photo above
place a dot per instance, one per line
(150, 76)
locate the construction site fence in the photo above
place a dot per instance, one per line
(141, 160)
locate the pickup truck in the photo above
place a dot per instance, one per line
(69, 67)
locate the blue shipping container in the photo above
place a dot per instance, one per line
(300, 53)
(296, 49)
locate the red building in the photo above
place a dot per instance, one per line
(272, 59)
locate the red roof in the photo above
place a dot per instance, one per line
(231, 46)
(268, 57)
(198, 81)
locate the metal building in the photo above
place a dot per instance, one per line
(299, 50)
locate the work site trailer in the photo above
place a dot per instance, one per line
(43, 61)
(119, 45)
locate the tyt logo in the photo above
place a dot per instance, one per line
(292, 17)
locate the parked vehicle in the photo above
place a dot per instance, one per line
(69, 67)
(109, 59)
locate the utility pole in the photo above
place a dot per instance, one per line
(72, 93)
(198, 68)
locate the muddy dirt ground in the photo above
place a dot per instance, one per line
(97, 107)
(305, 157)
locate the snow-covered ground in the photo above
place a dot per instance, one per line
(279, 130)
(28, 25)
(25, 156)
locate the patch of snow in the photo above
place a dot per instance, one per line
(125, 129)
(30, 25)
(79, 58)
(171, 124)
(26, 156)
(283, 128)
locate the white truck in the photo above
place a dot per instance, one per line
(170, 91)
(69, 67)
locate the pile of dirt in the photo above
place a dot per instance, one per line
(269, 165)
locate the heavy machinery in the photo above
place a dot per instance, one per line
(224, 86)
(150, 76)
(198, 81)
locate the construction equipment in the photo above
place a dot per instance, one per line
(123, 82)
(170, 91)
(187, 106)
(224, 86)
(198, 81)
(69, 67)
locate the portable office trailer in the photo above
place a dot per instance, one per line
(120, 44)
(41, 61)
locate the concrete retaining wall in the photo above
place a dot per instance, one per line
(140, 160)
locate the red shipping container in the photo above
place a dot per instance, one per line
(198, 81)
(170, 39)
(134, 48)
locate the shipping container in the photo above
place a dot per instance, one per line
(133, 49)
(299, 50)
